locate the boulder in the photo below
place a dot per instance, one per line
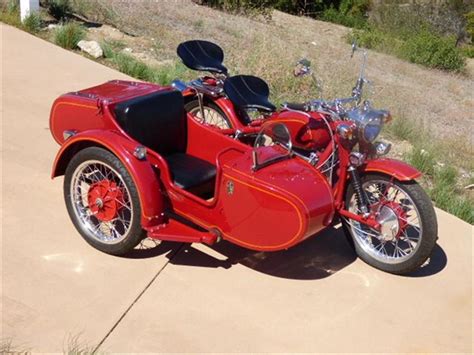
(91, 47)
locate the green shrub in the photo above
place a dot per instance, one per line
(59, 9)
(32, 22)
(470, 24)
(350, 13)
(468, 51)
(370, 38)
(68, 35)
(10, 13)
(423, 159)
(433, 51)
(446, 196)
(133, 67)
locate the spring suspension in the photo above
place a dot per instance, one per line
(361, 198)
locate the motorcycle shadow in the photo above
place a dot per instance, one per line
(317, 257)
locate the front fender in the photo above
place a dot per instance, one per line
(141, 171)
(392, 167)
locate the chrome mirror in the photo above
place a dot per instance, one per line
(354, 48)
(302, 68)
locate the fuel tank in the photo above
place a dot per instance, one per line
(308, 130)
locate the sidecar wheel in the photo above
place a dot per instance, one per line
(102, 201)
(214, 115)
(411, 226)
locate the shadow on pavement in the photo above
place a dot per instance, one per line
(437, 262)
(317, 257)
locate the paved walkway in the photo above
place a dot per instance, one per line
(173, 298)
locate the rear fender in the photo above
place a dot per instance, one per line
(141, 171)
(392, 167)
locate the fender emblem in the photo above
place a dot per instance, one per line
(230, 188)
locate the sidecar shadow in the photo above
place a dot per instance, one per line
(317, 257)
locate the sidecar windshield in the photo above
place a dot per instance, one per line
(272, 144)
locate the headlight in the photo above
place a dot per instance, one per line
(369, 122)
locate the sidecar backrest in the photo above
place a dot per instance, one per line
(157, 120)
(202, 55)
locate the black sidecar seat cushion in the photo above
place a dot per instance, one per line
(248, 92)
(192, 174)
(159, 122)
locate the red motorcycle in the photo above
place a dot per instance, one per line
(135, 164)
(337, 137)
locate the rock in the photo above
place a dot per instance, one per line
(127, 50)
(91, 47)
(52, 26)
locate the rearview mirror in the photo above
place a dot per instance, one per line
(353, 47)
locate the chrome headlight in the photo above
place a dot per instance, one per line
(369, 122)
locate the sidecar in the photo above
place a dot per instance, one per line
(135, 164)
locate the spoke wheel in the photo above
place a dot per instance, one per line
(408, 230)
(213, 115)
(102, 201)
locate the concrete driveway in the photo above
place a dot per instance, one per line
(316, 297)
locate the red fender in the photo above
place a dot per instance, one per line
(396, 168)
(141, 171)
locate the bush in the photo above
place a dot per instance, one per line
(10, 13)
(470, 24)
(468, 51)
(433, 51)
(68, 35)
(32, 22)
(59, 9)
(133, 67)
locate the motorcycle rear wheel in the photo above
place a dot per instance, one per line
(212, 113)
(412, 217)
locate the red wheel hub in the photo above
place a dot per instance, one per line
(105, 199)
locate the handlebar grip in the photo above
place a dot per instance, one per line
(297, 106)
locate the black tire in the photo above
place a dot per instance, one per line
(427, 220)
(134, 233)
(193, 105)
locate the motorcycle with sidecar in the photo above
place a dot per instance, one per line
(327, 133)
(136, 165)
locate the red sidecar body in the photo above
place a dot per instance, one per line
(193, 183)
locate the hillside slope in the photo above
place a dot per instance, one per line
(442, 102)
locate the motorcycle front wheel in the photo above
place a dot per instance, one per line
(213, 115)
(408, 222)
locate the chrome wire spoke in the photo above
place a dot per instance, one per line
(85, 176)
(387, 195)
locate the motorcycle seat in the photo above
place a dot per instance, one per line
(248, 92)
(159, 122)
(202, 55)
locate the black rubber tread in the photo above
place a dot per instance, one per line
(195, 103)
(136, 233)
(428, 221)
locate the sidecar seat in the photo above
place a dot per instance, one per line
(247, 92)
(159, 122)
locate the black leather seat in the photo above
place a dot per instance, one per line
(202, 55)
(247, 91)
(159, 122)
